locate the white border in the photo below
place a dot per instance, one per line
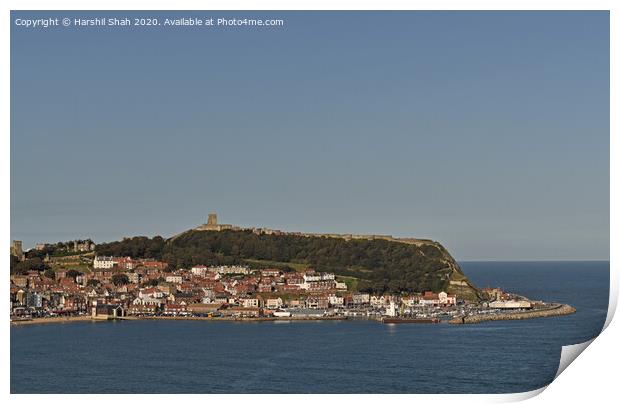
(586, 382)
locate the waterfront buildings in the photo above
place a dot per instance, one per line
(149, 288)
(511, 304)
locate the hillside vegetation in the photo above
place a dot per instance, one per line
(378, 265)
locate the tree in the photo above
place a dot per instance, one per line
(35, 254)
(72, 273)
(92, 282)
(120, 279)
(14, 262)
(22, 267)
(151, 282)
(49, 273)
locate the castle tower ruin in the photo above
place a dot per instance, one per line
(212, 220)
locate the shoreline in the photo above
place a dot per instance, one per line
(558, 310)
(53, 320)
(241, 319)
(61, 320)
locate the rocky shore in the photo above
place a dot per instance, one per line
(556, 310)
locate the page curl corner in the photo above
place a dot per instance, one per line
(569, 354)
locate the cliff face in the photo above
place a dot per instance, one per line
(457, 283)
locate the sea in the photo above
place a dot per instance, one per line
(356, 356)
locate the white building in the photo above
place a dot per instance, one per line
(312, 277)
(377, 301)
(446, 299)
(428, 301)
(249, 302)
(101, 262)
(318, 276)
(274, 303)
(150, 292)
(133, 277)
(442, 298)
(235, 269)
(146, 301)
(208, 294)
(200, 270)
(318, 280)
(391, 310)
(174, 278)
(361, 298)
(511, 304)
(336, 301)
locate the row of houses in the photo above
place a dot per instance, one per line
(143, 286)
(127, 263)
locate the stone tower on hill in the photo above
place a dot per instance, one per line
(212, 225)
(16, 249)
(212, 220)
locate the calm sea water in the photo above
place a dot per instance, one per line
(322, 357)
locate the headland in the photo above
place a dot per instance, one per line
(222, 272)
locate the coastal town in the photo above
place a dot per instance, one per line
(84, 285)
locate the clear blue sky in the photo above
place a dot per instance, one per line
(486, 131)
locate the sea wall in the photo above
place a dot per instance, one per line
(557, 310)
(60, 320)
(52, 320)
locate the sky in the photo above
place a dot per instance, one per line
(486, 131)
